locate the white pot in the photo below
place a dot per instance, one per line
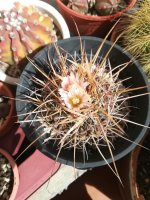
(44, 7)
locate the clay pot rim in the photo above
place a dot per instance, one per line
(96, 18)
(133, 172)
(58, 20)
(15, 173)
(5, 90)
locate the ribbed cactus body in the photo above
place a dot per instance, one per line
(80, 6)
(107, 6)
(24, 29)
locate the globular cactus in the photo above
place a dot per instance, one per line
(80, 6)
(23, 29)
(104, 7)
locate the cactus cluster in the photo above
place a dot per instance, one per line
(96, 7)
(23, 29)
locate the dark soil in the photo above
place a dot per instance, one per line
(4, 108)
(143, 170)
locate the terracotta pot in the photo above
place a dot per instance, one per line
(44, 7)
(134, 191)
(116, 33)
(90, 25)
(134, 169)
(15, 173)
(10, 119)
(128, 173)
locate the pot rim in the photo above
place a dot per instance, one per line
(133, 167)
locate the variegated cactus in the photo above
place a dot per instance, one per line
(23, 29)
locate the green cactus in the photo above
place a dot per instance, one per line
(136, 34)
(23, 29)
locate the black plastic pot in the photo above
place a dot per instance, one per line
(140, 106)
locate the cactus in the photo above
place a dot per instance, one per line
(105, 7)
(96, 7)
(23, 29)
(78, 100)
(80, 6)
(136, 34)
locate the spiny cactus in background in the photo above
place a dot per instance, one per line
(23, 29)
(96, 7)
(136, 34)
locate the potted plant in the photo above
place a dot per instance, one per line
(139, 176)
(132, 175)
(80, 13)
(7, 109)
(135, 170)
(134, 31)
(81, 105)
(25, 27)
(9, 176)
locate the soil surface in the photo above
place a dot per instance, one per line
(6, 178)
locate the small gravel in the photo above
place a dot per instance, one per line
(6, 178)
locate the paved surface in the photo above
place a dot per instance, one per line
(57, 183)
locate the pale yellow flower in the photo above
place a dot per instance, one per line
(76, 98)
(73, 92)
